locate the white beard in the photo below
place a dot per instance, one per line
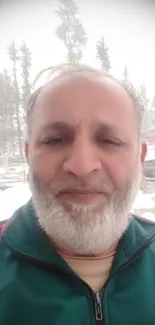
(82, 231)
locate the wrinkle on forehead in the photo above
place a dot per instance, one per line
(76, 94)
(97, 81)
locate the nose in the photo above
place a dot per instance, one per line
(82, 159)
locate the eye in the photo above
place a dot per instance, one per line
(109, 142)
(55, 141)
(112, 142)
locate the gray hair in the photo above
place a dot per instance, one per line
(68, 70)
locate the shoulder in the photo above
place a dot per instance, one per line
(144, 222)
(3, 224)
(145, 231)
(145, 226)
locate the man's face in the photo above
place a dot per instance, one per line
(85, 162)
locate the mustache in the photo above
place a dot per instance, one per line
(68, 186)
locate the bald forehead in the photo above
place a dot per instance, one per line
(85, 101)
(72, 89)
(84, 83)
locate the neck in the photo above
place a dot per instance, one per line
(110, 251)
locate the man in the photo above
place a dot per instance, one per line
(75, 254)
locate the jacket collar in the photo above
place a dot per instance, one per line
(139, 235)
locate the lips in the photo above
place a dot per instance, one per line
(81, 196)
(81, 192)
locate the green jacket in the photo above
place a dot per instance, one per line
(37, 287)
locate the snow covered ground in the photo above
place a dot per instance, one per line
(12, 198)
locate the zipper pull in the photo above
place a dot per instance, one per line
(98, 306)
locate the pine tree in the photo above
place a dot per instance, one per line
(147, 121)
(26, 66)
(153, 102)
(6, 114)
(153, 112)
(103, 54)
(13, 54)
(144, 95)
(125, 74)
(71, 31)
(2, 114)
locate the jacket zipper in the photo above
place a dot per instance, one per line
(98, 308)
(97, 297)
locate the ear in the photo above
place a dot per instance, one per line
(26, 149)
(143, 153)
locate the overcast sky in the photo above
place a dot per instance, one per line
(127, 26)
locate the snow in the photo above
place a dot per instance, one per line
(149, 215)
(2, 170)
(14, 197)
(144, 201)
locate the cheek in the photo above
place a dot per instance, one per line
(120, 168)
(45, 165)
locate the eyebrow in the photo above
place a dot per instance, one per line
(57, 126)
(61, 125)
(106, 127)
